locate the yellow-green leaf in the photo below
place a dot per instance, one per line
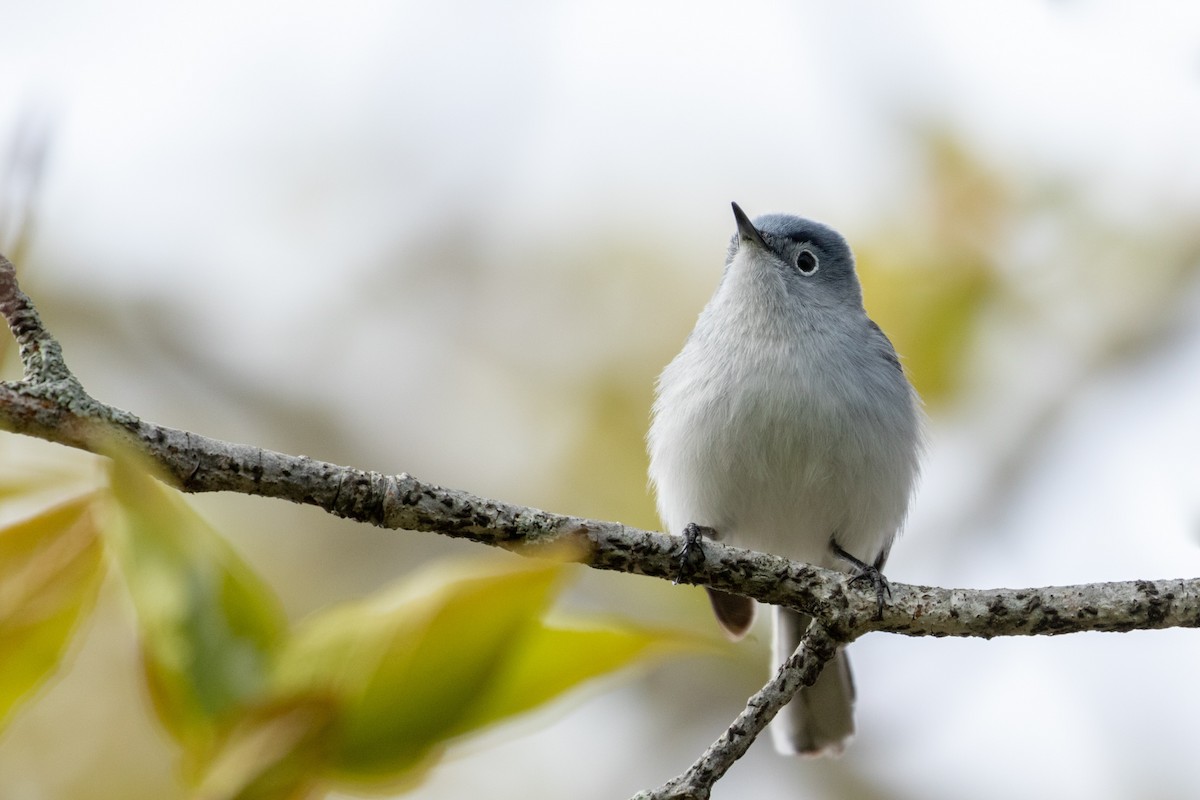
(408, 665)
(50, 569)
(553, 660)
(276, 751)
(445, 655)
(209, 626)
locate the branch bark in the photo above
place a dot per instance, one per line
(49, 403)
(801, 669)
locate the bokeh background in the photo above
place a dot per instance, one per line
(460, 239)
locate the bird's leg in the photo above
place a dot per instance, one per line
(866, 572)
(690, 554)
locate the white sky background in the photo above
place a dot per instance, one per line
(257, 169)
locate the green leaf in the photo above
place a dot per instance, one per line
(554, 660)
(443, 656)
(50, 570)
(209, 626)
(409, 664)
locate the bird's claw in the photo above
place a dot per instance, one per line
(690, 554)
(867, 573)
(871, 574)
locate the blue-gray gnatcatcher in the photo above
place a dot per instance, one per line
(786, 425)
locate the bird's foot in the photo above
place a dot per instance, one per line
(867, 573)
(690, 554)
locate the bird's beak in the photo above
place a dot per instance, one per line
(746, 230)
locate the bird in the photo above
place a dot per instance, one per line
(787, 424)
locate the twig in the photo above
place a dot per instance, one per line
(41, 356)
(801, 669)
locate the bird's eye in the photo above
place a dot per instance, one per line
(806, 262)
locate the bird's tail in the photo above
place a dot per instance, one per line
(820, 718)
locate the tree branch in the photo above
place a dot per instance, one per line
(801, 669)
(49, 403)
(196, 463)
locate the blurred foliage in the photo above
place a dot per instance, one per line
(471, 638)
(209, 627)
(364, 695)
(610, 451)
(928, 284)
(51, 565)
(977, 245)
(928, 306)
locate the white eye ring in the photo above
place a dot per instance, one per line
(806, 262)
